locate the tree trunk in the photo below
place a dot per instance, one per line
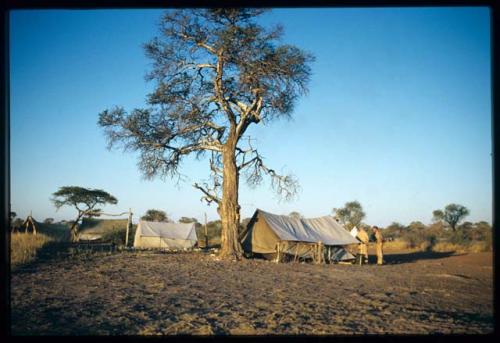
(74, 230)
(229, 209)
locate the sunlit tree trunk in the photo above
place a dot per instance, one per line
(74, 231)
(229, 209)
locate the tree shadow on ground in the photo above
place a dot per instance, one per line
(57, 250)
(49, 251)
(414, 256)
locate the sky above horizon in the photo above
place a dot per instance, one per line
(398, 115)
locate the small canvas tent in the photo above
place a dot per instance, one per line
(165, 235)
(274, 235)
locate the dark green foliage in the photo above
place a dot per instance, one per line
(48, 220)
(295, 214)
(153, 215)
(17, 223)
(468, 232)
(421, 238)
(350, 215)
(452, 214)
(84, 200)
(188, 220)
(393, 231)
(418, 235)
(416, 226)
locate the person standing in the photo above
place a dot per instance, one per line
(379, 245)
(363, 246)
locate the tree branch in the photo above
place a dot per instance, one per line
(209, 197)
(251, 114)
(286, 186)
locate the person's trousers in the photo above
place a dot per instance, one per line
(363, 250)
(380, 255)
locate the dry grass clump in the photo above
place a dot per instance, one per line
(396, 245)
(462, 248)
(423, 243)
(24, 246)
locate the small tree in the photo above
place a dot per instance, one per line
(188, 220)
(416, 226)
(350, 215)
(17, 223)
(217, 72)
(395, 230)
(466, 226)
(295, 214)
(48, 221)
(452, 214)
(84, 200)
(153, 215)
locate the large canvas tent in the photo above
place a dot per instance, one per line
(272, 236)
(165, 235)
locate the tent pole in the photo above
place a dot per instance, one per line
(129, 223)
(206, 232)
(26, 225)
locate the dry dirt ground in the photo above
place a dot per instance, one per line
(136, 293)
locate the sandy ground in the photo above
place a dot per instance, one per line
(134, 293)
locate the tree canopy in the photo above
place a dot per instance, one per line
(295, 214)
(153, 215)
(188, 220)
(84, 200)
(48, 221)
(350, 215)
(452, 214)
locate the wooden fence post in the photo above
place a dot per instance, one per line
(129, 224)
(319, 250)
(278, 253)
(206, 233)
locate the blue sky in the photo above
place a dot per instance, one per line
(398, 114)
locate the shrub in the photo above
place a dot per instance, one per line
(422, 239)
(462, 248)
(395, 245)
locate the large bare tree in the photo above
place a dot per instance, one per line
(216, 72)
